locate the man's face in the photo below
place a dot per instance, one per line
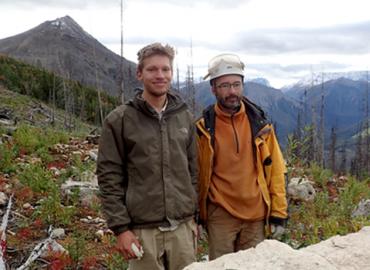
(228, 90)
(156, 75)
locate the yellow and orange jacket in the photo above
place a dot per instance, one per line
(267, 157)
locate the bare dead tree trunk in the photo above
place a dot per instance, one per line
(98, 88)
(177, 78)
(190, 82)
(121, 63)
(54, 100)
(322, 128)
(359, 149)
(65, 96)
(343, 163)
(333, 138)
(367, 138)
(305, 108)
(83, 105)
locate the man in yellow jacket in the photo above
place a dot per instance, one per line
(242, 187)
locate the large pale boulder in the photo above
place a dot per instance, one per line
(348, 252)
(340, 253)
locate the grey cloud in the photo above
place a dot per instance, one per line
(213, 3)
(289, 70)
(73, 4)
(172, 40)
(83, 4)
(343, 39)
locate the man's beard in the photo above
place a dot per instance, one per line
(230, 106)
(158, 93)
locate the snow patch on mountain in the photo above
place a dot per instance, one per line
(318, 78)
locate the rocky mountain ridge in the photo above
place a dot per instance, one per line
(62, 46)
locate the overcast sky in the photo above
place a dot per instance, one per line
(280, 40)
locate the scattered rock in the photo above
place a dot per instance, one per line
(6, 122)
(100, 234)
(363, 209)
(58, 233)
(27, 206)
(53, 246)
(301, 189)
(90, 177)
(91, 220)
(3, 199)
(56, 172)
(88, 190)
(93, 154)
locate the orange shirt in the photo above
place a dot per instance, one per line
(234, 180)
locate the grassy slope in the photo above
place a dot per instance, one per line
(25, 169)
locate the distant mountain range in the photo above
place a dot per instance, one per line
(319, 78)
(62, 46)
(344, 105)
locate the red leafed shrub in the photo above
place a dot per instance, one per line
(24, 194)
(89, 263)
(59, 261)
(56, 164)
(24, 233)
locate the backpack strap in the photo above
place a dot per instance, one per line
(210, 121)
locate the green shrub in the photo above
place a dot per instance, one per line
(312, 222)
(320, 175)
(31, 139)
(7, 155)
(36, 177)
(51, 211)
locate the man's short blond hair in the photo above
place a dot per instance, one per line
(155, 49)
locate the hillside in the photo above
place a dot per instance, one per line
(76, 99)
(62, 46)
(50, 171)
(344, 105)
(17, 109)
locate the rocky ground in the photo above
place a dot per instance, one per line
(50, 209)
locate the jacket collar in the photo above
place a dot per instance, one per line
(255, 115)
(173, 104)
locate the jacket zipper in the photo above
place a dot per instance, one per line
(235, 134)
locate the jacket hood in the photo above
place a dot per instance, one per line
(175, 103)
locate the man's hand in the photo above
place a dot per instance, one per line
(124, 242)
(277, 231)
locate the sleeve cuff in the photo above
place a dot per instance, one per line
(278, 221)
(118, 230)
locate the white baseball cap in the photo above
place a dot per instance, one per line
(224, 64)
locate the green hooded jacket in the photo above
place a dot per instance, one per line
(147, 165)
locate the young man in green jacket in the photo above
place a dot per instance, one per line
(147, 170)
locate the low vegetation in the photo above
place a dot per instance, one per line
(36, 160)
(74, 98)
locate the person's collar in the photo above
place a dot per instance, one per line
(164, 105)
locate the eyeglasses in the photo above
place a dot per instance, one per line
(227, 86)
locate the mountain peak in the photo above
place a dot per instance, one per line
(63, 21)
(62, 46)
(65, 24)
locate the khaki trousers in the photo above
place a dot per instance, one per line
(170, 250)
(227, 234)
